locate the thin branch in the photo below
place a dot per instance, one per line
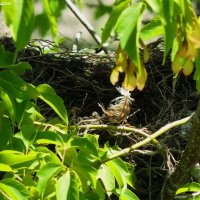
(85, 23)
(112, 128)
(162, 130)
(46, 125)
(117, 128)
(123, 152)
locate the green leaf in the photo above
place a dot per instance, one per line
(169, 25)
(20, 17)
(131, 177)
(152, 29)
(48, 95)
(50, 16)
(28, 135)
(117, 10)
(9, 12)
(14, 189)
(48, 137)
(189, 187)
(6, 56)
(127, 195)
(23, 26)
(50, 156)
(195, 172)
(155, 5)
(85, 145)
(128, 28)
(16, 87)
(93, 138)
(5, 168)
(67, 187)
(9, 88)
(120, 171)
(87, 175)
(16, 144)
(41, 24)
(17, 159)
(102, 10)
(100, 190)
(18, 68)
(6, 132)
(56, 7)
(45, 174)
(107, 177)
(9, 105)
(70, 156)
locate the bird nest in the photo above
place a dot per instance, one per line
(82, 80)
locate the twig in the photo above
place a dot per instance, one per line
(162, 130)
(85, 23)
(117, 128)
(112, 128)
(46, 125)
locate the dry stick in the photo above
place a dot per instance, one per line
(85, 23)
(162, 130)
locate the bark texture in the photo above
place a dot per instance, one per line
(188, 160)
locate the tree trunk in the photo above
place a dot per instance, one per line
(188, 160)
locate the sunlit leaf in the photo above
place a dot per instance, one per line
(50, 156)
(87, 175)
(50, 16)
(14, 189)
(117, 10)
(6, 132)
(17, 159)
(84, 144)
(20, 17)
(169, 25)
(48, 95)
(127, 28)
(9, 104)
(48, 137)
(5, 168)
(45, 174)
(189, 187)
(119, 170)
(16, 87)
(28, 134)
(152, 29)
(127, 195)
(67, 187)
(107, 177)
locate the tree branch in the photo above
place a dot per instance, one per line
(188, 160)
(162, 130)
(85, 23)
